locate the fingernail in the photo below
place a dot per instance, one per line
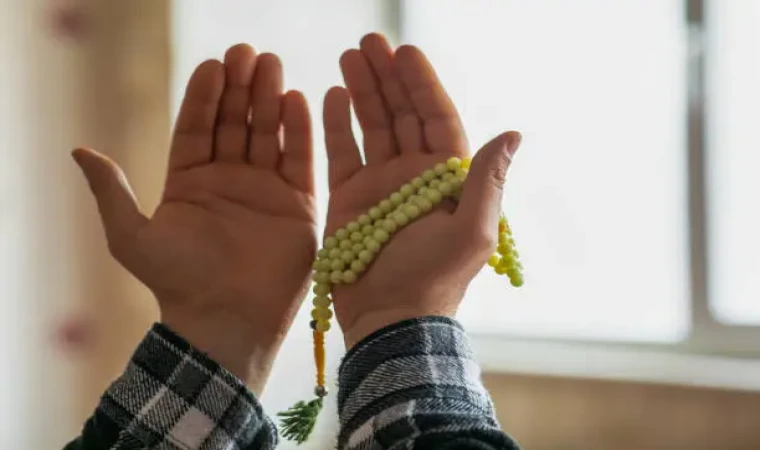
(513, 142)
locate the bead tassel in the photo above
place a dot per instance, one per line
(319, 357)
(350, 251)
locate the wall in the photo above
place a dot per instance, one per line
(545, 413)
(39, 122)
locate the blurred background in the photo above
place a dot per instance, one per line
(633, 200)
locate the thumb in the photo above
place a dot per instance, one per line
(480, 204)
(118, 207)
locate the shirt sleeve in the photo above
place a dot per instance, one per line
(171, 397)
(416, 385)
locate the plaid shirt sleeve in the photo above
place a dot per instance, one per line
(173, 397)
(416, 385)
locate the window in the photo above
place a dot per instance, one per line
(634, 167)
(598, 191)
(733, 95)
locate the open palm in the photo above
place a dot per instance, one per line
(235, 231)
(409, 124)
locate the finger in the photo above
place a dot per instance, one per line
(118, 207)
(343, 156)
(374, 117)
(193, 140)
(442, 127)
(231, 142)
(406, 124)
(480, 205)
(297, 156)
(266, 103)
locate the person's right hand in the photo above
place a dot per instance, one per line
(229, 249)
(409, 124)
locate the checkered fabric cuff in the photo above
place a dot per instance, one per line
(174, 397)
(416, 384)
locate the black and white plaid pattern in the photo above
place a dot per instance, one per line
(416, 385)
(173, 397)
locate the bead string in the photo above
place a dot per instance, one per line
(349, 252)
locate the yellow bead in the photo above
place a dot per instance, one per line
(461, 174)
(389, 225)
(364, 219)
(439, 169)
(412, 211)
(396, 199)
(466, 163)
(345, 245)
(424, 204)
(372, 245)
(334, 253)
(349, 277)
(418, 182)
(331, 242)
(358, 266)
(323, 253)
(357, 247)
(324, 265)
(341, 234)
(400, 218)
(321, 314)
(448, 176)
(493, 261)
(503, 250)
(500, 270)
(385, 207)
(321, 277)
(347, 256)
(321, 301)
(356, 236)
(365, 256)
(505, 263)
(322, 326)
(434, 184)
(322, 289)
(456, 183)
(337, 264)
(434, 196)
(504, 239)
(445, 188)
(381, 236)
(516, 281)
(453, 163)
(336, 277)
(367, 229)
(375, 213)
(352, 226)
(406, 190)
(428, 175)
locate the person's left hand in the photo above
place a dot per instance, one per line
(228, 251)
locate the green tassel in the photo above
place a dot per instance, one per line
(298, 421)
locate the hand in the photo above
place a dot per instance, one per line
(409, 124)
(228, 251)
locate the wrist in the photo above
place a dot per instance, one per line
(367, 324)
(228, 339)
(361, 314)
